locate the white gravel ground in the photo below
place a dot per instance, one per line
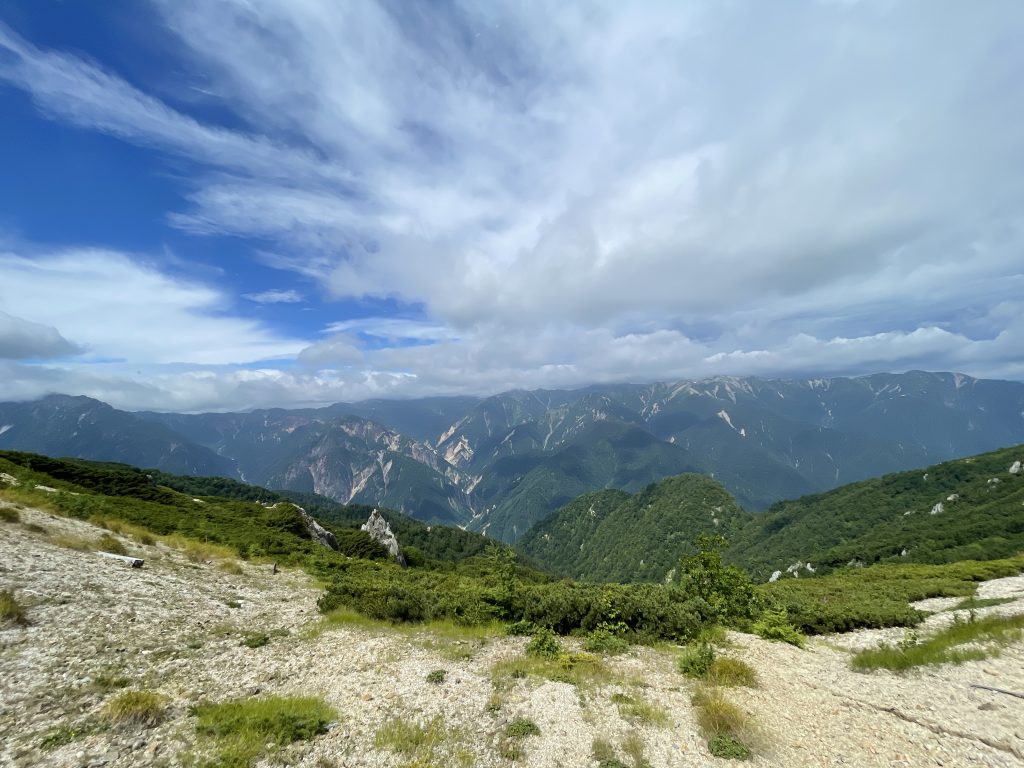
(172, 627)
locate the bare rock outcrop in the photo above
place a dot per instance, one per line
(381, 532)
(319, 534)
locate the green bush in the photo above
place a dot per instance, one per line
(696, 660)
(522, 727)
(437, 676)
(602, 640)
(544, 645)
(774, 624)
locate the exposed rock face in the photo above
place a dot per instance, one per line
(320, 534)
(380, 532)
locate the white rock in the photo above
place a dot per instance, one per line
(774, 577)
(9, 479)
(1015, 468)
(937, 509)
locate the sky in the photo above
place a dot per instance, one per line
(229, 204)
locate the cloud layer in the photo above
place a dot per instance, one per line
(559, 195)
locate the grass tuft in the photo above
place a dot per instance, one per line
(136, 708)
(728, 671)
(604, 755)
(945, 647)
(637, 710)
(728, 729)
(242, 730)
(107, 543)
(11, 611)
(9, 515)
(436, 676)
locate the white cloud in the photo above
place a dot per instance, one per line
(275, 296)
(22, 339)
(118, 308)
(580, 193)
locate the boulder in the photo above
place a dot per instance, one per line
(318, 533)
(380, 532)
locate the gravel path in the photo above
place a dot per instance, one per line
(175, 627)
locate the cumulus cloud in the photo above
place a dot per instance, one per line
(578, 193)
(22, 339)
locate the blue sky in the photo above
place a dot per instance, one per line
(223, 204)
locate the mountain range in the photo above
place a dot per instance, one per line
(500, 464)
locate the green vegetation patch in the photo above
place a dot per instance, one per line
(522, 727)
(878, 596)
(242, 730)
(945, 647)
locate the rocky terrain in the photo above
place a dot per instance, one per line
(177, 627)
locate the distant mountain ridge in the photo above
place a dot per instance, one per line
(502, 463)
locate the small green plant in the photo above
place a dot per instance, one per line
(11, 611)
(437, 676)
(544, 645)
(66, 734)
(145, 538)
(522, 727)
(727, 746)
(231, 566)
(696, 660)
(255, 639)
(108, 543)
(774, 624)
(728, 671)
(144, 708)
